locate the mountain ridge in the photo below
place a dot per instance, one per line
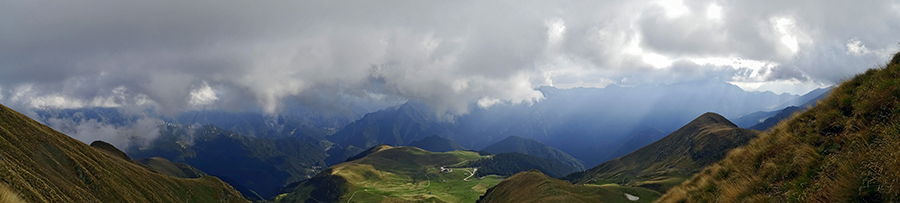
(42, 165)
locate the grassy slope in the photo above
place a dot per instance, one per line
(534, 186)
(389, 174)
(667, 162)
(38, 164)
(844, 149)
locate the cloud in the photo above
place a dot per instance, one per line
(141, 132)
(178, 55)
(204, 95)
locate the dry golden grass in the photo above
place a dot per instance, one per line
(8, 196)
(847, 148)
(42, 165)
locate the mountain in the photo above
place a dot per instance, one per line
(640, 139)
(589, 124)
(534, 186)
(395, 174)
(758, 118)
(534, 148)
(394, 126)
(436, 143)
(42, 165)
(842, 150)
(507, 164)
(262, 166)
(775, 119)
(667, 162)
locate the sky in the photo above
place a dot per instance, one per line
(452, 55)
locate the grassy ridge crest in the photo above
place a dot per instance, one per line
(843, 149)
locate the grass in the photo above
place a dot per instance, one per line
(396, 174)
(42, 165)
(534, 186)
(844, 149)
(668, 162)
(8, 196)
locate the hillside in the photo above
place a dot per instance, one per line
(262, 166)
(844, 149)
(534, 186)
(395, 174)
(667, 162)
(436, 143)
(38, 164)
(534, 148)
(507, 164)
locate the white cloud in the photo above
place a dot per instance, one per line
(674, 8)
(447, 54)
(203, 95)
(786, 27)
(714, 12)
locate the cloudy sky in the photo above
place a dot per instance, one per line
(181, 55)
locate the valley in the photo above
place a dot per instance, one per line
(360, 101)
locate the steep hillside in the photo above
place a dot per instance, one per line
(38, 164)
(436, 143)
(534, 186)
(260, 165)
(395, 174)
(842, 150)
(534, 148)
(667, 162)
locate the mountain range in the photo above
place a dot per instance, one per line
(261, 166)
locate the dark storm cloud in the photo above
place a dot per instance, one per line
(179, 55)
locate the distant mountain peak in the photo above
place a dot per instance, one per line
(710, 118)
(437, 143)
(527, 146)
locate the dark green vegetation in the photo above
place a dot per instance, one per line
(534, 186)
(436, 143)
(844, 149)
(395, 174)
(259, 168)
(507, 164)
(667, 162)
(534, 148)
(38, 164)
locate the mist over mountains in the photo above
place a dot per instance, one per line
(590, 124)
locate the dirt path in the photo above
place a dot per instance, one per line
(471, 173)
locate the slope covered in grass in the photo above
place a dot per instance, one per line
(395, 174)
(667, 162)
(534, 186)
(844, 149)
(38, 164)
